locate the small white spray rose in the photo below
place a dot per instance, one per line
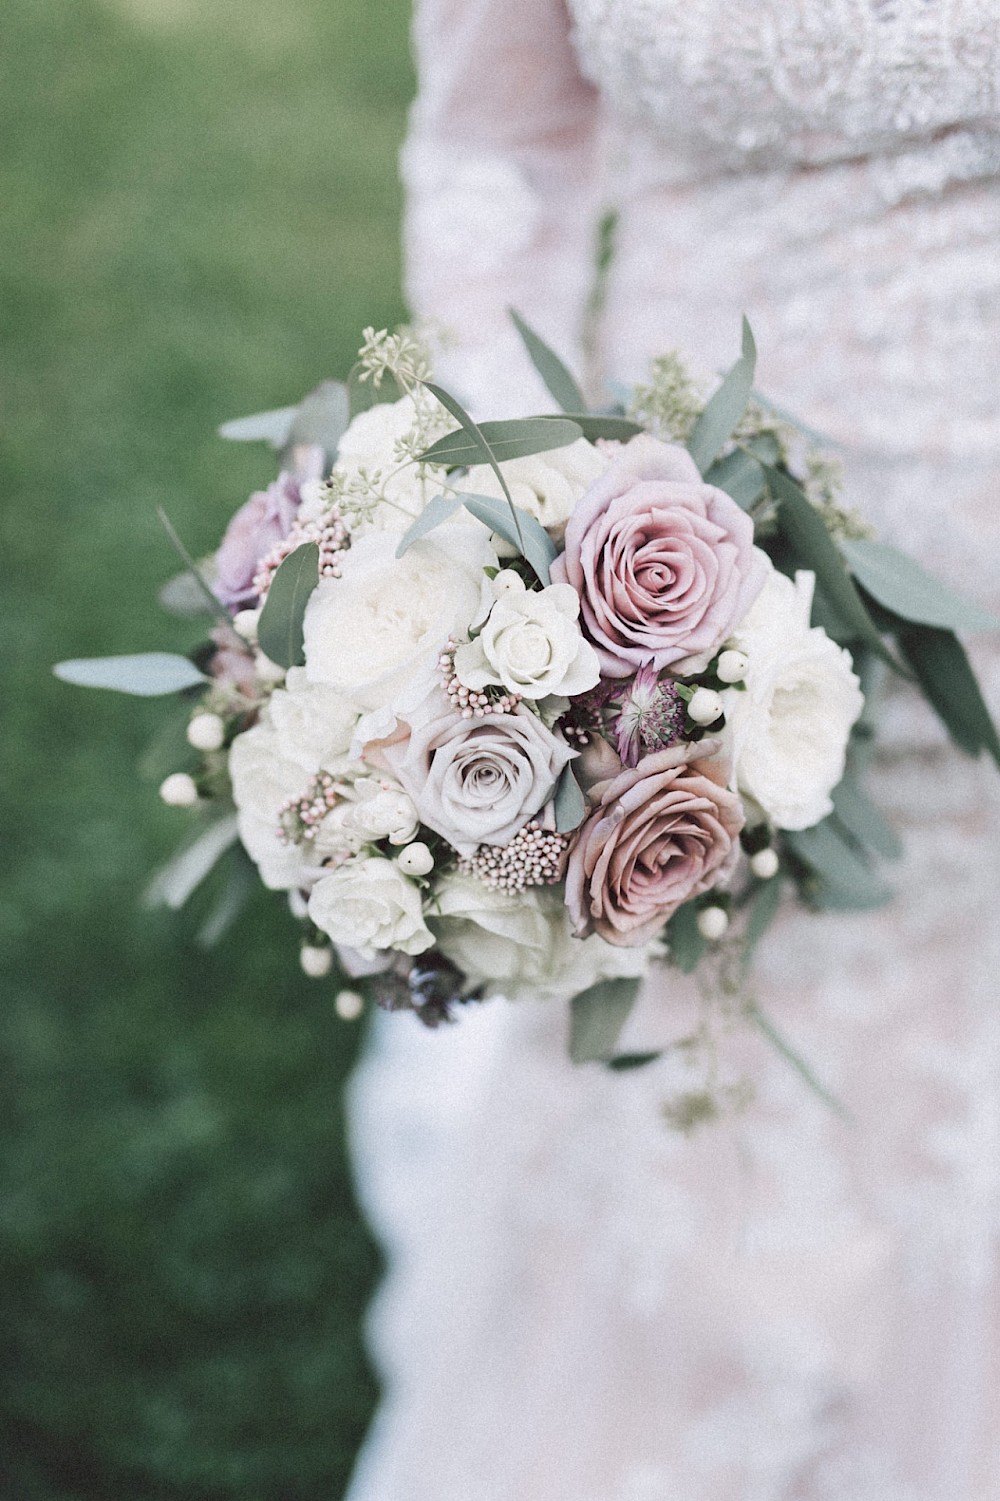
(367, 905)
(381, 810)
(313, 722)
(531, 644)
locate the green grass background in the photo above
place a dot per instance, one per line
(200, 213)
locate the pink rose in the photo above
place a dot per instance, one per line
(660, 834)
(258, 526)
(664, 564)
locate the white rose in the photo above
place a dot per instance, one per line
(546, 485)
(263, 779)
(790, 727)
(381, 810)
(313, 723)
(370, 443)
(368, 905)
(522, 946)
(532, 645)
(376, 630)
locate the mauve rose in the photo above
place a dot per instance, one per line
(260, 524)
(660, 834)
(478, 781)
(664, 564)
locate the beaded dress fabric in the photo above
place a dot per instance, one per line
(583, 1304)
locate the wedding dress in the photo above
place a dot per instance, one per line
(583, 1304)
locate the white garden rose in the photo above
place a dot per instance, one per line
(263, 779)
(546, 485)
(380, 809)
(369, 905)
(379, 628)
(531, 645)
(371, 443)
(522, 946)
(790, 727)
(313, 722)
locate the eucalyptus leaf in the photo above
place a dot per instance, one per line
(322, 418)
(183, 595)
(685, 945)
(521, 530)
(794, 1058)
(624, 1062)
(595, 425)
(811, 542)
(763, 909)
(862, 820)
(949, 683)
(847, 881)
(146, 675)
(900, 584)
(558, 381)
(279, 630)
(264, 427)
(212, 605)
(237, 891)
(484, 453)
(740, 475)
(597, 1017)
(172, 885)
(438, 510)
(570, 803)
(516, 438)
(726, 407)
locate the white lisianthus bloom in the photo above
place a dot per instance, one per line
(368, 905)
(380, 809)
(790, 727)
(313, 722)
(379, 628)
(546, 485)
(531, 644)
(371, 444)
(522, 946)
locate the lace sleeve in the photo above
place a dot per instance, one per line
(500, 172)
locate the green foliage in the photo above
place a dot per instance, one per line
(597, 1017)
(201, 214)
(556, 377)
(279, 630)
(724, 411)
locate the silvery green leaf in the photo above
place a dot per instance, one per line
(847, 881)
(816, 549)
(183, 595)
(900, 584)
(322, 418)
(685, 945)
(725, 409)
(521, 530)
(595, 425)
(865, 824)
(172, 885)
(435, 513)
(146, 675)
(212, 605)
(264, 427)
(949, 684)
(597, 1017)
(239, 887)
(764, 906)
(623, 1062)
(558, 381)
(518, 438)
(794, 1058)
(479, 447)
(279, 630)
(570, 804)
(740, 475)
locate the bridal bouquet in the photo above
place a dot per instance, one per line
(522, 707)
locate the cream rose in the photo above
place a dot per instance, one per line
(546, 485)
(789, 729)
(522, 946)
(531, 645)
(379, 627)
(313, 722)
(263, 780)
(368, 905)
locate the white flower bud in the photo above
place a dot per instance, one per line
(266, 670)
(349, 1005)
(732, 666)
(206, 732)
(765, 863)
(316, 962)
(713, 922)
(179, 790)
(705, 706)
(298, 906)
(508, 581)
(245, 624)
(415, 860)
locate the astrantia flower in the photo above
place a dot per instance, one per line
(651, 716)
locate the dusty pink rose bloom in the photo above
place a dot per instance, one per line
(259, 524)
(664, 564)
(660, 834)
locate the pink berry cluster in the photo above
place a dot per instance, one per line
(534, 857)
(299, 818)
(332, 536)
(472, 703)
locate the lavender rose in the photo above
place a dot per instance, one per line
(660, 834)
(664, 564)
(258, 526)
(478, 781)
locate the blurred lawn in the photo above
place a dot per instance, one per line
(201, 213)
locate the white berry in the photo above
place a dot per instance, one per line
(206, 732)
(713, 922)
(732, 666)
(349, 1005)
(705, 706)
(508, 581)
(316, 962)
(179, 790)
(245, 624)
(764, 864)
(266, 670)
(415, 860)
